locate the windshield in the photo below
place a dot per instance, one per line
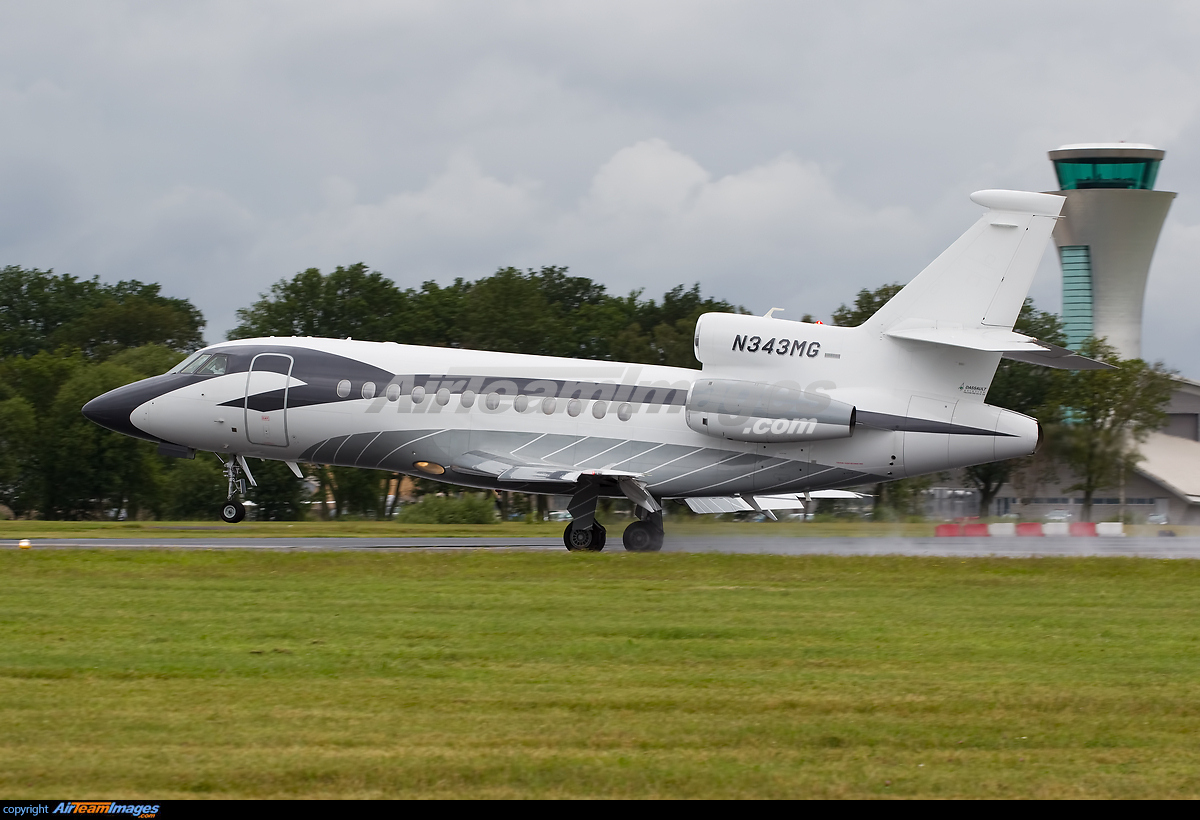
(215, 366)
(190, 363)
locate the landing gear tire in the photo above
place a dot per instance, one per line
(585, 540)
(233, 511)
(642, 536)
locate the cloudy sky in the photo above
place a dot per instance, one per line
(779, 153)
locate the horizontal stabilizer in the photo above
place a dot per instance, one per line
(996, 341)
(1058, 358)
(1015, 346)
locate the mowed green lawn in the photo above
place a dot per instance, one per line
(475, 674)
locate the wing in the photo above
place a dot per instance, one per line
(507, 467)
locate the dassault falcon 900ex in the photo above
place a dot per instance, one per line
(781, 410)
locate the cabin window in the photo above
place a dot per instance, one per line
(393, 392)
(599, 409)
(343, 388)
(625, 412)
(521, 404)
(574, 407)
(216, 366)
(549, 405)
(368, 390)
(443, 396)
(468, 398)
(493, 401)
(418, 394)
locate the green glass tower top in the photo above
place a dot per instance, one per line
(1107, 165)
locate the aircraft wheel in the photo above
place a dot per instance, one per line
(590, 540)
(641, 536)
(233, 511)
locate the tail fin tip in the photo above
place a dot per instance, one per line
(1021, 202)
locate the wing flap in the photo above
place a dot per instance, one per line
(733, 503)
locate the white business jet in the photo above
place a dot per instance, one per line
(781, 411)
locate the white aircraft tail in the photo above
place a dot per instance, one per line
(980, 282)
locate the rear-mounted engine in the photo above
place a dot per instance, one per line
(755, 411)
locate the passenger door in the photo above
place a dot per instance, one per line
(267, 398)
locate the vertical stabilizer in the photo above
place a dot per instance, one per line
(982, 279)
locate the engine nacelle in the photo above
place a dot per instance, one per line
(755, 411)
(740, 341)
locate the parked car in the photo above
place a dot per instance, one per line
(1058, 515)
(558, 515)
(1157, 518)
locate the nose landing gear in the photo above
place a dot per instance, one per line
(233, 511)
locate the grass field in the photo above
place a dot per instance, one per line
(476, 674)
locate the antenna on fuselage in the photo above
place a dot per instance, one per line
(769, 313)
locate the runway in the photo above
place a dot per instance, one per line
(1173, 548)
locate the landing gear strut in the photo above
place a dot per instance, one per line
(645, 535)
(584, 533)
(233, 511)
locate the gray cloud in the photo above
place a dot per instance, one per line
(780, 153)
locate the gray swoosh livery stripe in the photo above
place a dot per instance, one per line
(718, 470)
(887, 421)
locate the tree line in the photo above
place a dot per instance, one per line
(65, 340)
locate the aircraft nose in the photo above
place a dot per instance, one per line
(113, 409)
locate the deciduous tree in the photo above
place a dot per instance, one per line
(1106, 414)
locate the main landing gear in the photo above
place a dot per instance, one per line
(233, 511)
(645, 535)
(585, 539)
(584, 533)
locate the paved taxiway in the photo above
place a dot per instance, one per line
(1182, 547)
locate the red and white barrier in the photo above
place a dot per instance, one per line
(1033, 529)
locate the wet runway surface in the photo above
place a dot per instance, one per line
(1181, 547)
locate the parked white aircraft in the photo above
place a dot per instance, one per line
(780, 410)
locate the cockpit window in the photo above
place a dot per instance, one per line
(216, 366)
(192, 362)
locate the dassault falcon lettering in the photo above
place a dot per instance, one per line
(762, 432)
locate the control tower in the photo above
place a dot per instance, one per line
(1106, 238)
